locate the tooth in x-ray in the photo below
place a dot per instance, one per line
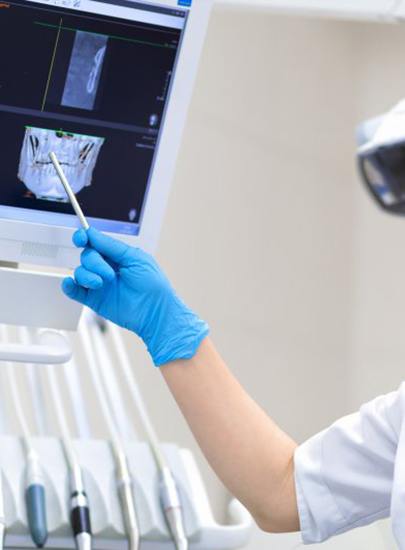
(76, 153)
(83, 76)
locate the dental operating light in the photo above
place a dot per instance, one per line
(381, 158)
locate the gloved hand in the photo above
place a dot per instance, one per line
(126, 286)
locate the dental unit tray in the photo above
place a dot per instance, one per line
(98, 465)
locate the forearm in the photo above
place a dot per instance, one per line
(249, 453)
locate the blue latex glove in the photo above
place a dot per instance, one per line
(126, 286)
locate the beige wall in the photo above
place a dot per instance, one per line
(378, 347)
(269, 234)
(258, 230)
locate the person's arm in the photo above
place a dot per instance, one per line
(251, 455)
(346, 476)
(246, 449)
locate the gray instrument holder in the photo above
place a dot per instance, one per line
(97, 462)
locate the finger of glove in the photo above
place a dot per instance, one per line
(107, 246)
(88, 279)
(94, 262)
(80, 238)
(74, 291)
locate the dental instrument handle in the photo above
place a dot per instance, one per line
(35, 500)
(124, 481)
(80, 520)
(169, 493)
(79, 507)
(128, 510)
(172, 508)
(36, 512)
(34, 479)
(126, 496)
(72, 197)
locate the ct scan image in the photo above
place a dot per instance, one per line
(84, 70)
(76, 153)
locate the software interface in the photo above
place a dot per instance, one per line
(90, 83)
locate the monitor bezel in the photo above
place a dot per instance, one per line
(52, 245)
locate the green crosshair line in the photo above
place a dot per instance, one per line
(51, 65)
(114, 37)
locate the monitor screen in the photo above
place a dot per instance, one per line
(89, 80)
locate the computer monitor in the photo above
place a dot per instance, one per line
(105, 84)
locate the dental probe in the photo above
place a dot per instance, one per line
(79, 506)
(124, 480)
(34, 477)
(169, 493)
(72, 197)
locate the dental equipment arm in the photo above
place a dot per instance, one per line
(123, 474)
(169, 492)
(251, 455)
(80, 518)
(34, 487)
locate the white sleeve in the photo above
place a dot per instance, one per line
(344, 475)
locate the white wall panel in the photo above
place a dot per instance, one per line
(351, 9)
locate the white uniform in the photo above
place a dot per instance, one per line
(353, 473)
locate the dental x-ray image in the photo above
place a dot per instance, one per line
(83, 76)
(76, 153)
